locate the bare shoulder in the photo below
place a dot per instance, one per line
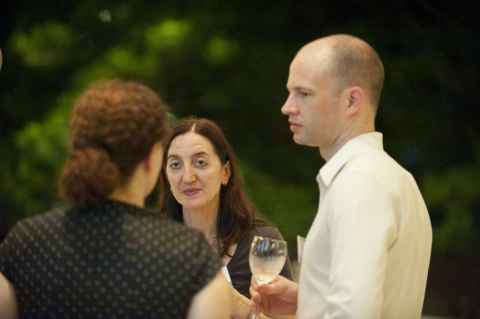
(8, 305)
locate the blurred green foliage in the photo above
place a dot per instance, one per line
(46, 45)
(229, 61)
(454, 194)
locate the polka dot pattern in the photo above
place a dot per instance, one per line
(108, 261)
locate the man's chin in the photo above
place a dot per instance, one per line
(301, 141)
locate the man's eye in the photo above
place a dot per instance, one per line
(303, 93)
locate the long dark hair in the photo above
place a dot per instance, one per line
(113, 126)
(236, 213)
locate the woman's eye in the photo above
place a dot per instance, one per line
(174, 164)
(201, 163)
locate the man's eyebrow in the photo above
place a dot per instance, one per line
(299, 88)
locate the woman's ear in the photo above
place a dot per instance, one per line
(226, 173)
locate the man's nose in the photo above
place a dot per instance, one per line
(289, 106)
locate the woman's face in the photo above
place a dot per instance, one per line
(195, 172)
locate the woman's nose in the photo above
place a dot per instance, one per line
(189, 175)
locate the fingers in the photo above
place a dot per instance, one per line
(260, 294)
(271, 288)
(253, 283)
(255, 299)
(278, 297)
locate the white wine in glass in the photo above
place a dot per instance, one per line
(267, 257)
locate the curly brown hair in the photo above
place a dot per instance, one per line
(237, 214)
(113, 126)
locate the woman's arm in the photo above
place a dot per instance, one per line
(8, 303)
(213, 301)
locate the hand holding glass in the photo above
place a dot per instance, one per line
(267, 257)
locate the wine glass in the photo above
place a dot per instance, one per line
(267, 257)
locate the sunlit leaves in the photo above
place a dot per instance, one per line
(291, 207)
(105, 16)
(167, 34)
(46, 45)
(230, 62)
(220, 50)
(42, 148)
(453, 197)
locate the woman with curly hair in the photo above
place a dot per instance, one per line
(106, 255)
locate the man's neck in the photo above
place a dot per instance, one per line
(347, 135)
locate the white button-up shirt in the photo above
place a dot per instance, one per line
(367, 252)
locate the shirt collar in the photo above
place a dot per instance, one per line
(351, 149)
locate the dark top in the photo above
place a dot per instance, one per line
(238, 267)
(109, 261)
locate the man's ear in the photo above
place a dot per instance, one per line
(354, 98)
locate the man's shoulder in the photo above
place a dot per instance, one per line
(374, 169)
(376, 163)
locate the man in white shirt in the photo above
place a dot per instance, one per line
(368, 250)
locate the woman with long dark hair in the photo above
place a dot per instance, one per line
(204, 190)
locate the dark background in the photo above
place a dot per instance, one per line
(228, 60)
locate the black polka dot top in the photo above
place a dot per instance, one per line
(109, 261)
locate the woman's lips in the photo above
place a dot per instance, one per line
(191, 192)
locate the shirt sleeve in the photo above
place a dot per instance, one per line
(362, 227)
